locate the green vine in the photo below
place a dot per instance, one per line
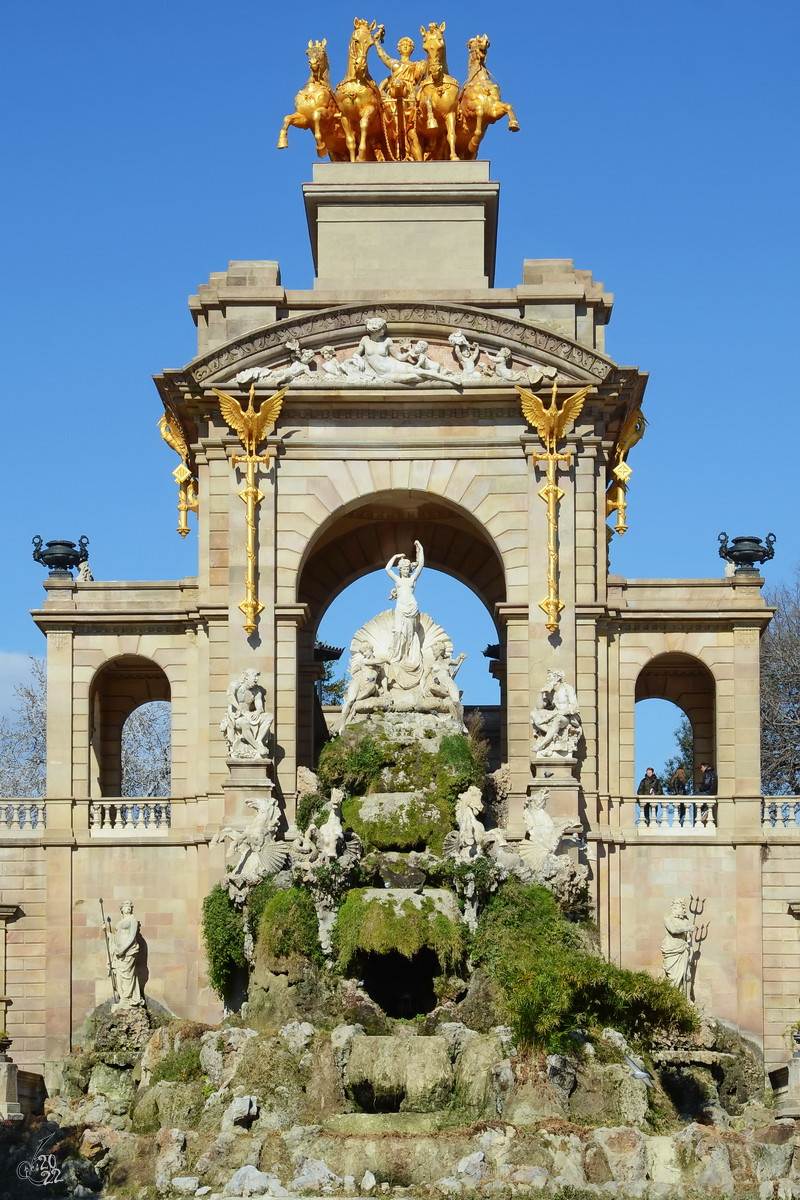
(287, 927)
(223, 935)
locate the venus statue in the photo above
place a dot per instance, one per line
(126, 952)
(406, 641)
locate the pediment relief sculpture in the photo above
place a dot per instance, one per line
(379, 359)
(340, 330)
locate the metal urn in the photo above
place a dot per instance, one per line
(746, 552)
(61, 557)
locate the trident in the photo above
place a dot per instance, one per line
(111, 971)
(699, 935)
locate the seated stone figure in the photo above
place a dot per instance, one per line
(556, 720)
(246, 723)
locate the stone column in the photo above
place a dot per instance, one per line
(9, 1101)
(8, 912)
(518, 735)
(58, 943)
(289, 618)
(59, 712)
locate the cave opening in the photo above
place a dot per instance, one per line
(403, 987)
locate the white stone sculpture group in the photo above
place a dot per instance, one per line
(400, 660)
(556, 720)
(246, 723)
(380, 359)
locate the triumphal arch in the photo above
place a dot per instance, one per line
(400, 398)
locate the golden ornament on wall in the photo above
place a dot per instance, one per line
(173, 435)
(251, 428)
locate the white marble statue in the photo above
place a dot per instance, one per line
(440, 680)
(542, 850)
(367, 679)
(471, 833)
(257, 851)
(467, 354)
(84, 573)
(127, 946)
(301, 362)
(406, 640)
(556, 720)
(676, 948)
(418, 355)
(246, 723)
(384, 359)
(499, 364)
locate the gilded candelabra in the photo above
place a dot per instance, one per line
(251, 428)
(551, 424)
(173, 435)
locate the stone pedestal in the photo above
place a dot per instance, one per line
(247, 778)
(10, 1109)
(789, 1103)
(426, 225)
(558, 776)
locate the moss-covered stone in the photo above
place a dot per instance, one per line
(169, 1105)
(378, 923)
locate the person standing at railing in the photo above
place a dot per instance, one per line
(708, 780)
(677, 784)
(650, 785)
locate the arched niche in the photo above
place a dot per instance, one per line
(361, 539)
(120, 686)
(689, 684)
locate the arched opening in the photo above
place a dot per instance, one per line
(403, 987)
(359, 542)
(661, 742)
(688, 684)
(147, 750)
(119, 688)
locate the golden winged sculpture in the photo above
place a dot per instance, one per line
(616, 496)
(251, 428)
(551, 423)
(173, 435)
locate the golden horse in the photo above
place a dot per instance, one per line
(360, 101)
(480, 104)
(316, 109)
(437, 98)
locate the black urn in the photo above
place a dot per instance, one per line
(61, 557)
(746, 553)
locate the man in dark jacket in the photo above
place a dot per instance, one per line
(650, 784)
(708, 780)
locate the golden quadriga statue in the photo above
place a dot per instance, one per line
(419, 112)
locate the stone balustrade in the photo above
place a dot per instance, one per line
(128, 816)
(676, 815)
(781, 812)
(23, 816)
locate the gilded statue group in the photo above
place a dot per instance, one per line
(418, 113)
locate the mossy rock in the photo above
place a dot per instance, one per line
(373, 921)
(399, 820)
(169, 1105)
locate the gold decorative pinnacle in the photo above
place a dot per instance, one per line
(552, 423)
(173, 435)
(251, 428)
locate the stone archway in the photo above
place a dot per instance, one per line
(689, 684)
(362, 539)
(120, 686)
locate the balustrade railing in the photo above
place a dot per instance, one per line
(673, 815)
(27, 815)
(780, 813)
(129, 816)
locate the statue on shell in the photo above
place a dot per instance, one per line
(246, 723)
(401, 661)
(676, 948)
(556, 720)
(542, 850)
(127, 946)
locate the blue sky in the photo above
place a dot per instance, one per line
(658, 149)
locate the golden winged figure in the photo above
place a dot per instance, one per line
(173, 434)
(251, 426)
(552, 423)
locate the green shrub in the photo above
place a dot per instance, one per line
(307, 809)
(376, 926)
(552, 983)
(288, 927)
(223, 934)
(257, 900)
(179, 1066)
